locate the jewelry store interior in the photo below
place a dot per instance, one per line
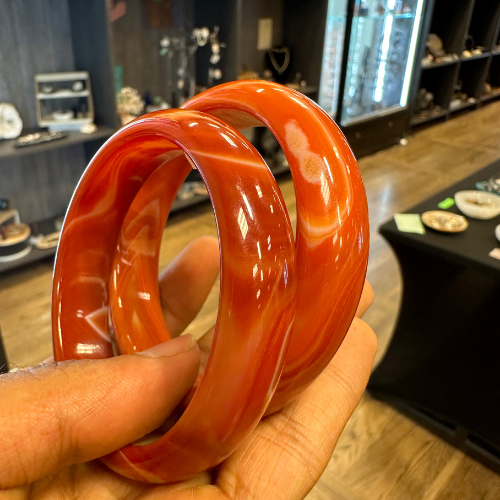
(413, 85)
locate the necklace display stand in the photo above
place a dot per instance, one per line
(275, 55)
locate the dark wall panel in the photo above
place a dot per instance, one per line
(41, 186)
(35, 37)
(136, 45)
(305, 34)
(249, 56)
(91, 42)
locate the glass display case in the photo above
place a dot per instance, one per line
(382, 48)
(332, 56)
(363, 62)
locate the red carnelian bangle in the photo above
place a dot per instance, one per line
(283, 312)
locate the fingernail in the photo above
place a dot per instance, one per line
(171, 347)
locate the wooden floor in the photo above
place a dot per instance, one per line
(381, 455)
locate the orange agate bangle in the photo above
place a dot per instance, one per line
(283, 311)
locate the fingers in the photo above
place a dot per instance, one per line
(288, 452)
(366, 300)
(186, 283)
(61, 414)
(205, 344)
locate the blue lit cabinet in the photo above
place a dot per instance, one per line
(365, 61)
(382, 41)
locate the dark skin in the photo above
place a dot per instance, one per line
(53, 427)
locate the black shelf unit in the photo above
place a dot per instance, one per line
(439, 65)
(484, 23)
(47, 226)
(464, 106)
(457, 23)
(7, 149)
(436, 115)
(475, 57)
(449, 21)
(472, 74)
(44, 227)
(39, 180)
(493, 78)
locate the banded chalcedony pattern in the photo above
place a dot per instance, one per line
(283, 311)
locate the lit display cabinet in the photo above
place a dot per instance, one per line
(380, 59)
(368, 59)
(333, 51)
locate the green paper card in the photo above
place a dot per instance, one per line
(409, 223)
(447, 203)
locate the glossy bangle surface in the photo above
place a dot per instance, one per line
(108, 261)
(332, 235)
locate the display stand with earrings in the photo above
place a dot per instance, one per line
(182, 49)
(215, 74)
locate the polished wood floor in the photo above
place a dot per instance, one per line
(382, 454)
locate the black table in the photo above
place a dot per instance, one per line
(442, 367)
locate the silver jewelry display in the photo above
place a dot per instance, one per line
(38, 138)
(179, 50)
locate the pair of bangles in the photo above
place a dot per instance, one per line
(285, 306)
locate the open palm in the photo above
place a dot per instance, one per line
(57, 418)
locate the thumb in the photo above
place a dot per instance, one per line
(64, 413)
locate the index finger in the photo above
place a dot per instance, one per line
(287, 453)
(365, 301)
(55, 415)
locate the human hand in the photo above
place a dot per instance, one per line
(57, 418)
